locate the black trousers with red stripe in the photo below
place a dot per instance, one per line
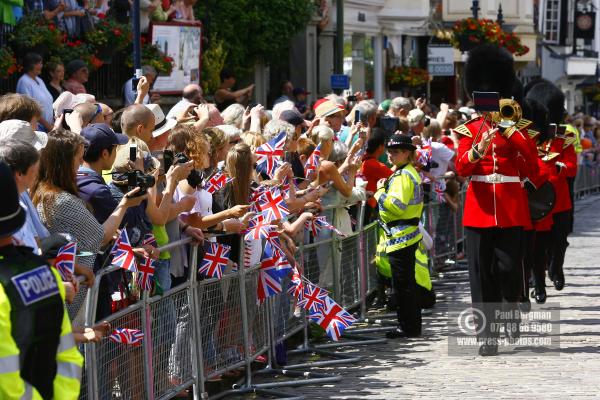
(495, 270)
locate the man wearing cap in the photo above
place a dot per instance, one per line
(400, 202)
(331, 112)
(99, 155)
(38, 355)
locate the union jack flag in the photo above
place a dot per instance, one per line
(215, 260)
(296, 287)
(269, 154)
(216, 182)
(132, 337)
(259, 230)
(320, 222)
(333, 318)
(313, 161)
(282, 264)
(149, 240)
(269, 278)
(65, 260)
(440, 188)
(146, 273)
(123, 253)
(313, 297)
(424, 154)
(272, 205)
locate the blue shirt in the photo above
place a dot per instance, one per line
(94, 191)
(33, 227)
(36, 89)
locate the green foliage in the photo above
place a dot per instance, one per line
(254, 29)
(213, 61)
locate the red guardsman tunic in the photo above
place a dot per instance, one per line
(495, 195)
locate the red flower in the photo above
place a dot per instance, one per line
(117, 32)
(101, 15)
(51, 27)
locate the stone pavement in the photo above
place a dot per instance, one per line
(422, 368)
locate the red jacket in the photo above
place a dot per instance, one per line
(495, 204)
(558, 175)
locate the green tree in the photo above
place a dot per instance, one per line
(252, 30)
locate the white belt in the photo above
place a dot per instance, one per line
(495, 178)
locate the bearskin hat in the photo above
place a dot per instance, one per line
(550, 96)
(537, 113)
(490, 68)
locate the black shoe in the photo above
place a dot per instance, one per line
(400, 334)
(525, 305)
(559, 284)
(488, 350)
(533, 294)
(540, 296)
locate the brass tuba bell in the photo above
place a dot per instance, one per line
(510, 113)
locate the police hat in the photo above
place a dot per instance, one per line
(400, 141)
(12, 215)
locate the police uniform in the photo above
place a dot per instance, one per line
(38, 355)
(400, 203)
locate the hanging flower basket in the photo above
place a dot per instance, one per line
(402, 77)
(469, 33)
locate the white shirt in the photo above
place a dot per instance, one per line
(442, 155)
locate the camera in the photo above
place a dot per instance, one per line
(194, 179)
(133, 179)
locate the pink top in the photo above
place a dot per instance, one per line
(73, 86)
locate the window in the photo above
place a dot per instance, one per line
(552, 21)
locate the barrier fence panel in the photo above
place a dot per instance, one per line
(201, 329)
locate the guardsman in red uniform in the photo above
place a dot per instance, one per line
(495, 210)
(565, 164)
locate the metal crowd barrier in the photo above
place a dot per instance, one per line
(204, 328)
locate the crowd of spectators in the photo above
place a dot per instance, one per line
(72, 157)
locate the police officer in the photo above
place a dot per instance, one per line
(400, 202)
(38, 356)
(495, 210)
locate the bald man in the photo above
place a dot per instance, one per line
(138, 121)
(191, 94)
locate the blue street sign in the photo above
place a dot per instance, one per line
(339, 81)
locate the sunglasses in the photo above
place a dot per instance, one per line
(98, 112)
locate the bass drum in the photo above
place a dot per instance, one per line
(541, 201)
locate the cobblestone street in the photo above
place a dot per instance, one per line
(407, 369)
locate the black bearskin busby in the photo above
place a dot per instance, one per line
(550, 96)
(490, 68)
(537, 113)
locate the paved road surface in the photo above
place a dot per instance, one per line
(411, 369)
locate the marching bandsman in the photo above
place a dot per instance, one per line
(495, 209)
(565, 163)
(400, 202)
(38, 355)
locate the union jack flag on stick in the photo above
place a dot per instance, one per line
(146, 273)
(131, 337)
(268, 156)
(215, 260)
(333, 318)
(65, 260)
(269, 277)
(149, 240)
(313, 162)
(216, 182)
(313, 297)
(123, 253)
(320, 222)
(272, 205)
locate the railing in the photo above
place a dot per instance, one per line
(204, 328)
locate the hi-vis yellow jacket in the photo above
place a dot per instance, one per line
(36, 284)
(400, 199)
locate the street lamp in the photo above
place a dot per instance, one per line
(500, 17)
(475, 8)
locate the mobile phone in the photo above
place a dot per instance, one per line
(389, 124)
(351, 98)
(561, 130)
(134, 83)
(133, 152)
(356, 116)
(167, 159)
(66, 111)
(552, 129)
